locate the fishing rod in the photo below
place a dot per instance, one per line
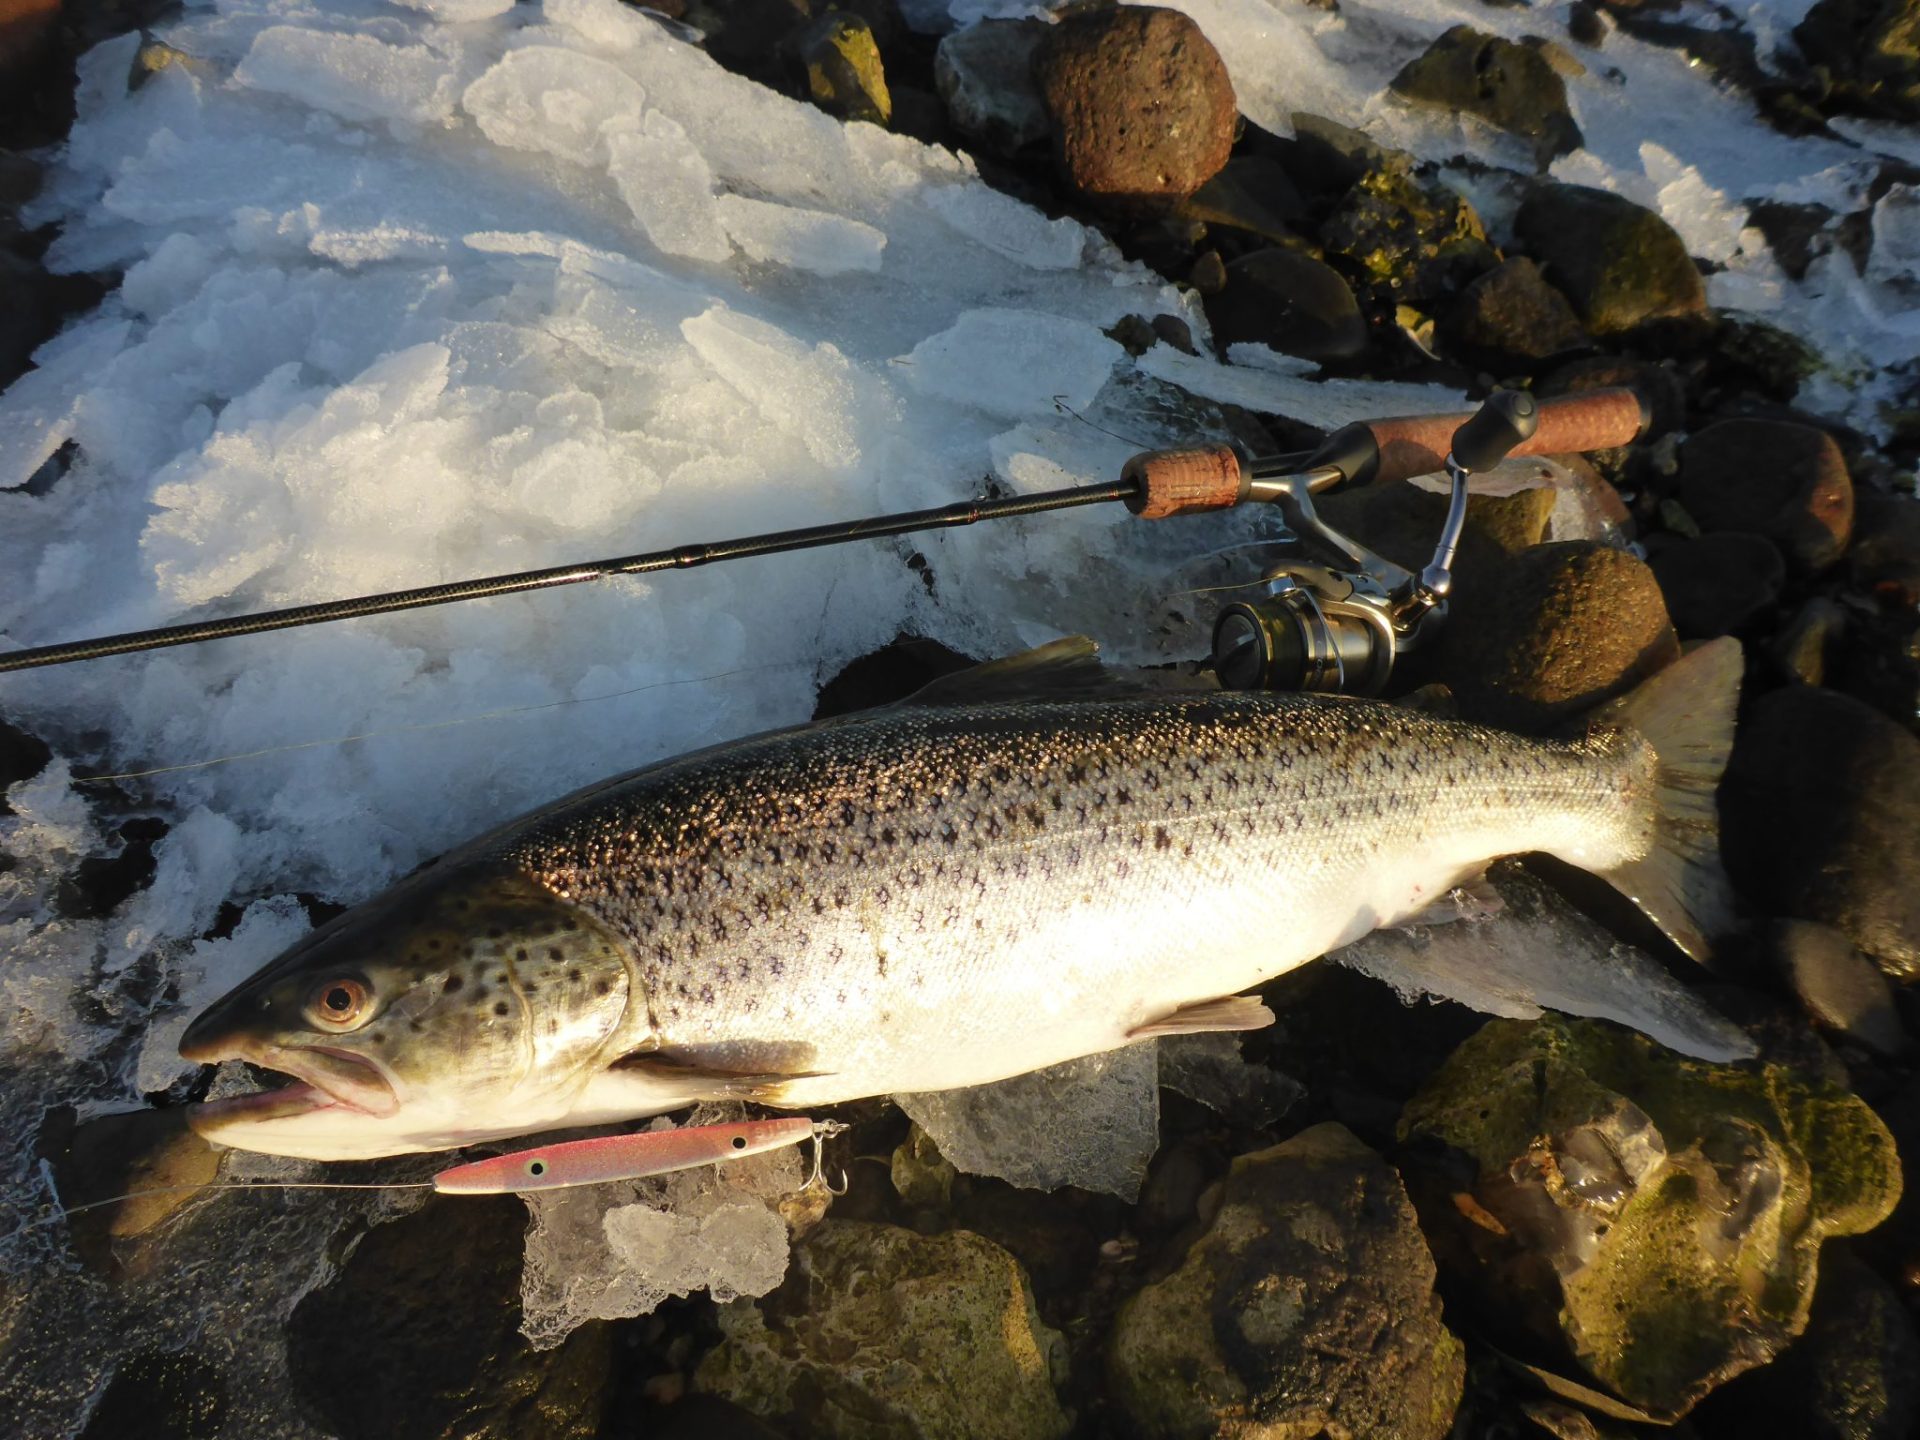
(1320, 627)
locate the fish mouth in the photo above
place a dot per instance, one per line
(321, 1079)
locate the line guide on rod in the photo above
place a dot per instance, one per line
(1152, 485)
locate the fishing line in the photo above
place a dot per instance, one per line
(425, 725)
(64, 1212)
(1060, 404)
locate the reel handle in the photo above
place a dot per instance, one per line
(1412, 445)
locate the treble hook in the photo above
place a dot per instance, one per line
(822, 1131)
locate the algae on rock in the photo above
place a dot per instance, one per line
(1664, 1215)
(1306, 1308)
(883, 1332)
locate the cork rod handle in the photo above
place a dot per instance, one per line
(1596, 420)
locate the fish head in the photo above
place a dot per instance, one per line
(456, 1007)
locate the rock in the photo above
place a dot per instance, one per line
(1620, 264)
(1585, 25)
(844, 73)
(1662, 1216)
(752, 37)
(160, 1395)
(1716, 584)
(1840, 989)
(1872, 48)
(1306, 1308)
(1655, 384)
(1142, 109)
(1805, 647)
(1775, 478)
(1292, 302)
(419, 1336)
(26, 318)
(1820, 820)
(881, 1332)
(1796, 233)
(1329, 158)
(1558, 629)
(921, 1176)
(28, 30)
(1401, 521)
(1886, 546)
(1416, 241)
(1251, 193)
(1510, 316)
(1508, 85)
(1854, 1374)
(985, 77)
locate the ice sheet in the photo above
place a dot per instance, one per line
(1092, 1123)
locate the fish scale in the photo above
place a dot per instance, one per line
(938, 894)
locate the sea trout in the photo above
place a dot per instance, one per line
(1030, 862)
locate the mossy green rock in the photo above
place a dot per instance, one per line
(1621, 265)
(1306, 1309)
(881, 1332)
(1414, 240)
(1663, 1213)
(844, 72)
(1512, 86)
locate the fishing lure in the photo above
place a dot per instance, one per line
(605, 1158)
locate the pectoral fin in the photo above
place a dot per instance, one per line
(1225, 1012)
(690, 1075)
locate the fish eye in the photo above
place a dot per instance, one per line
(339, 1004)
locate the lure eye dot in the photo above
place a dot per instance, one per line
(536, 1167)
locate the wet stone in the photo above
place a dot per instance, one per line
(1805, 647)
(879, 1331)
(160, 1395)
(1775, 478)
(1142, 109)
(1842, 991)
(1818, 820)
(418, 1338)
(1621, 265)
(1854, 1374)
(1291, 302)
(1305, 1308)
(1508, 85)
(1252, 193)
(1510, 316)
(1716, 584)
(985, 78)
(1557, 630)
(1872, 49)
(1661, 1216)
(1885, 556)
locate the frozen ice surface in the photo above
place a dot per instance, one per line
(1093, 1123)
(1014, 362)
(610, 1251)
(1895, 257)
(1264, 380)
(356, 77)
(1004, 224)
(1539, 953)
(809, 240)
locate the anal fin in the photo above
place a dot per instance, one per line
(1200, 1017)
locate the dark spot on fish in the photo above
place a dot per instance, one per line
(500, 1007)
(479, 993)
(603, 987)
(379, 1037)
(569, 924)
(553, 952)
(454, 982)
(573, 977)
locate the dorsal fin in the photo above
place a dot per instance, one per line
(1067, 669)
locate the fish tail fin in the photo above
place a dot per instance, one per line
(1686, 713)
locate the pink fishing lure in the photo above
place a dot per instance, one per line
(621, 1157)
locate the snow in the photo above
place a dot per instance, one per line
(419, 292)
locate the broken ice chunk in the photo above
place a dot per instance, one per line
(1014, 362)
(459, 12)
(810, 392)
(810, 240)
(1210, 1070)
(668, 186)
(1006, 226)
(1092, 1122)
(606, 1252)
(558, 102)
(354, 76)
(1540, 953)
